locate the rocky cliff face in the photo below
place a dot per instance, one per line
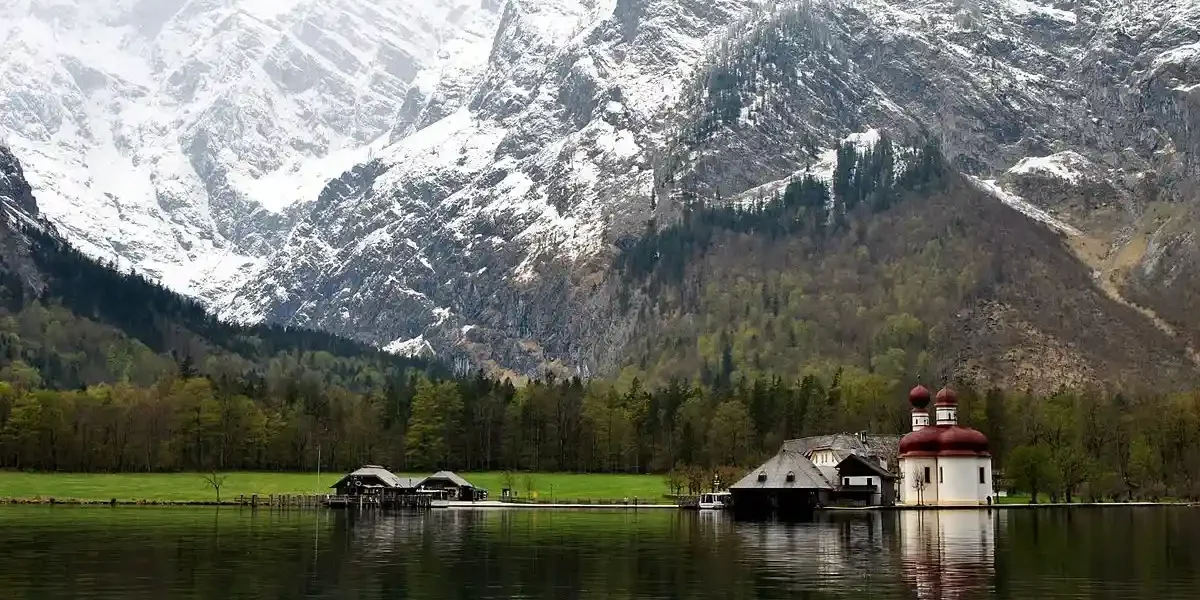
(15, 191)
(184, 138)
(18, 212)
(474, 234)
(529, 138)
(486, 234)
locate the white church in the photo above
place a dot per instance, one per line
(942, 464)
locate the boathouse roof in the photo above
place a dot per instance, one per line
(786, 470)
(450, 476)
(385, 478)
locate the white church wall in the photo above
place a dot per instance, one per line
(959, 479)
(953, 480)
(914, 469)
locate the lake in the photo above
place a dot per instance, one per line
(143, 553)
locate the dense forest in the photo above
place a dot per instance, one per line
(1068, 444)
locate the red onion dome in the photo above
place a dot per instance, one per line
(962, 441)
(924, 441)
(919, 397)
(947, 397)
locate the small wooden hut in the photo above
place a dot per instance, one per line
(862, 481)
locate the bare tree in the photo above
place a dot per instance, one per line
(918, 484)
(215, 482)
(675, 481)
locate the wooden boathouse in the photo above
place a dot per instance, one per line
(447, 485)
(376, 487)
(787, 483)
(373, 486)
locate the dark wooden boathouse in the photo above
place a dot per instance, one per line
(375, 486)
(447, 485)
(787, 484)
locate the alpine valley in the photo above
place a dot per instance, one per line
(999, 189)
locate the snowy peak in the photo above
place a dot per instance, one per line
(181, 138)
(454, 176)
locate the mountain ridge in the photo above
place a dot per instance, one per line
(483, 229)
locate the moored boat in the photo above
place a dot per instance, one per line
(716, 501)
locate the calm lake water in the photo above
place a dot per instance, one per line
(143, 553)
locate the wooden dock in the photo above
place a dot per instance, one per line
(364, 502)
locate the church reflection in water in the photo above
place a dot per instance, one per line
(948, 553)
(926, 554)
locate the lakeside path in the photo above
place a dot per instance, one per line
(191, 488)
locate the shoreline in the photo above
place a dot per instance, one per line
(1022, 506)
(497, 505)
(264, 503)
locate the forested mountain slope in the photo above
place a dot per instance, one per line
(901, 269)
(80, 322)
(102, 370)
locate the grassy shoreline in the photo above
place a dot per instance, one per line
(191, 488)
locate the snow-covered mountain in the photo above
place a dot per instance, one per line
(495, 153)
(183, 137)
(487, 231)
(464, 232)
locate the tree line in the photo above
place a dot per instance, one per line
(1069, 444)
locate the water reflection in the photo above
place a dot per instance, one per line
(148, 554)
(948, 554)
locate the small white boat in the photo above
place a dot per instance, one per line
(716, 501)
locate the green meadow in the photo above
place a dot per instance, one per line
(192, 487)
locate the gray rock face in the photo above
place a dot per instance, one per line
(18, 213)
(484, 233)
(539, 134)
(15, 190)
(179, 137)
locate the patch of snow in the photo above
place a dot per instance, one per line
(620, 143)
(416, 346)
(442, 314)
(865, 140)
(1022, 206)
(1024, 7)
(1181, 55)
(1067, 166)
(302, 178)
